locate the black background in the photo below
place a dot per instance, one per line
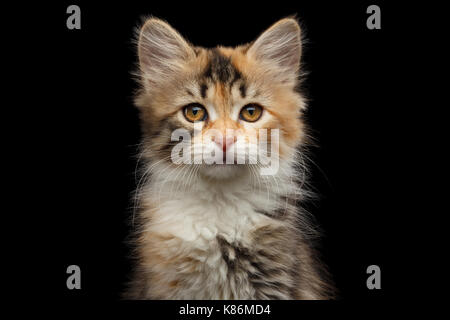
(86, 141)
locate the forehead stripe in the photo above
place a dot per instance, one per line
(243, 90)
(203, 89)
(220, 68)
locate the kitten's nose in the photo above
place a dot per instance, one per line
(226, 143)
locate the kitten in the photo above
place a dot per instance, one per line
(222, 231)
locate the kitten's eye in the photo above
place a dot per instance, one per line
(251, 112)
(195, 112)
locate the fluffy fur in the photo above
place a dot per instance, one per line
(222, 231)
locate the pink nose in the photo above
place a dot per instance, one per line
(226, 143)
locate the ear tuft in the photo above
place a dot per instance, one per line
(279, 45)
(161, 49)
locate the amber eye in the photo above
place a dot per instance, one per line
(251, 112)
(195, 112)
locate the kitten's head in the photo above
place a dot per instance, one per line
(221, 97)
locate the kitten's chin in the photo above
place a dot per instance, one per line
(222, 171)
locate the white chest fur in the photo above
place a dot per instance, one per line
(188, 219)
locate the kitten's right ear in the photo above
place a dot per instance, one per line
(162, 51)
(280, 47)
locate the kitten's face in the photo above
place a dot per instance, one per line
(222, 97)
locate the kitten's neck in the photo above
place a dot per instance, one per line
(170, 184)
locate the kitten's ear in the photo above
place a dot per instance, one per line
(279, 46)
(162, 51)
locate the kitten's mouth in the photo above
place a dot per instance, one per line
(222, 170)
(228, 161)
(224, 160)
(224, 164)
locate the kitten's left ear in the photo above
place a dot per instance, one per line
(280, 46)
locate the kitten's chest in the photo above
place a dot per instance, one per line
(199, 215)
(206, 248)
